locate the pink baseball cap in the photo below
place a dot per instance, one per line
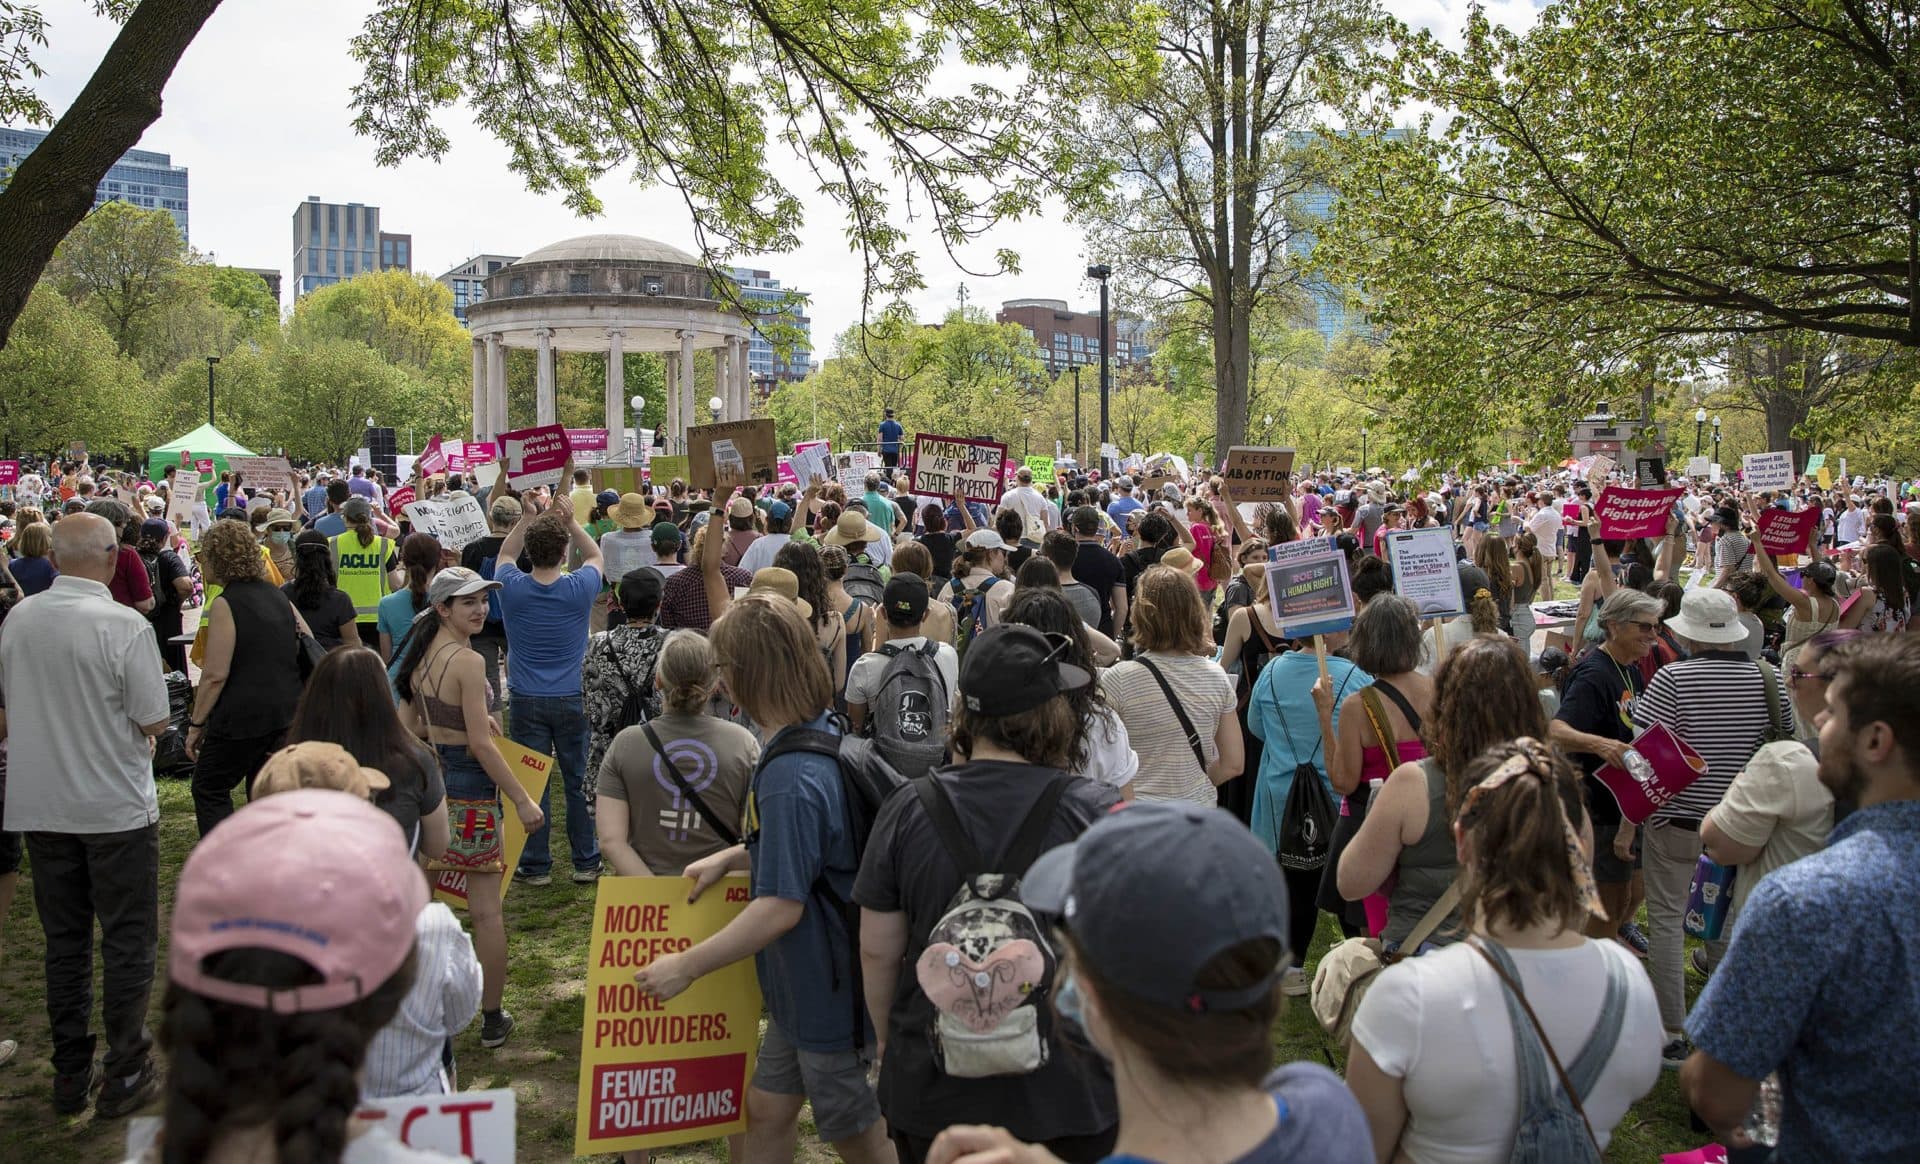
(317, 874)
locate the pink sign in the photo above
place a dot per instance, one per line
(204, 465)
(1782, 532)
(587, 440)
(1660, 766)
(825, 447)
(481, 452)
(9, 472)
(433, 460)
(1570, 510)
(1634, 513)
(186, 458)
(784, 470)
(535, 456)
(399, 499)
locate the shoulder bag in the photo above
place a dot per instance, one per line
(1776, 729)
(308, 650)
(1347, 971)
(1180, 713)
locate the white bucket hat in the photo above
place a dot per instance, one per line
(1708, 616)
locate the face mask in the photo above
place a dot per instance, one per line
(1072, 1007)
(280, 537)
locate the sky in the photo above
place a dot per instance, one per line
(259, 111)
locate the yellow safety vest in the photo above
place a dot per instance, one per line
(362, 572)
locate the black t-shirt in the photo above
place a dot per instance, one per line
(325, 619)
(417, 789)
(1136, 562)
(1095, 565)
(164, 568)
(907, 869)
(1595, 702)
(941, 546)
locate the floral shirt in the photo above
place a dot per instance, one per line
(618, 661)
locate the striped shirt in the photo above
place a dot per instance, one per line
(405, 1057)
(1717, 702)
(1168, 768)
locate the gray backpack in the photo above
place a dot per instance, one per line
(863, 581)
(908, 712)
(1553, 1127)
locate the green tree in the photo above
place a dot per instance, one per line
(326, 389)
(64, 380)
(124, 264)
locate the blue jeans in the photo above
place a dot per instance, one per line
(556, 725)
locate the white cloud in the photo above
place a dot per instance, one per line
(259, 111)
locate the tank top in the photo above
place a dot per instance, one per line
(263, 681)
(1425, 868)
(1523, 595)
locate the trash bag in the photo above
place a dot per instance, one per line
(170, 750)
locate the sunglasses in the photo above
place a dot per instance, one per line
(1649, 627)
(1796, 674)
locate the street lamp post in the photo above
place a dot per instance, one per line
(1026, 431)
(714, 404)
(1699, 422)
(1103, 272)
(639, 405)
(1079, 449)
(1716, 440)
(1363, 449)
(211, 361)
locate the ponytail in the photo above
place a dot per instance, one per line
(420, 557)
(1525, 861)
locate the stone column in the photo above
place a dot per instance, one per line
(670, 412)
(496, 388)
(690, 415)
(742, 384)
(616, 388)
(480, 402)
(543, 377)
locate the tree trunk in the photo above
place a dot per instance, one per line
(53, 188)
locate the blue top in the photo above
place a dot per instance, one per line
(220, 497)
(1119, 508)
(1822, 984)
(1318, 1120)
(395, 616)
(33, 574)
(890, 432)
(314, 501)
(796, 827)
(957, 525)
(1282, 703)
(331, 524)
(546, 628)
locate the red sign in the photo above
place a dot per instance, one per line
(587, 439)
(1782, 532)
(433, 459)
(399, 499)
(535, 456)
(1660, 766)
(649, 1098)
(1634, 513)
(186, 458)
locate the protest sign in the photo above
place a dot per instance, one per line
(1696, 466)
(810, 463)
(186, 458)
(455, 521)
(654, 1074)
(203, 466)
(851, 469)
(1660, 766)
(1634, 513)
(1781, 532)
(1041, 468)
(784, 470)
(1713, 473)
(1650, 472)
(1599, 469)
(530, 768)
(535, 456)
(264, 473)
(619, 478)
(1768, 470)
(9, 472)
(666, 470)
(434, 458)
(955, 466)
(474, 1125)
(487, 475)
(480, 452)
(1422, 562)
(1308, 588)
(1254, 473)
(734, 452)
(1824, 478)
(1815, 463)
(399, 499)
(587, 439)
(180, 502)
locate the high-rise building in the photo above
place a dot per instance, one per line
(334, 241)
(1068, 338)
(763, 360)
(468, 281)
(1313, 206)
(141, 177)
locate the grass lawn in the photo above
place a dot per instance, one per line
(547, 938)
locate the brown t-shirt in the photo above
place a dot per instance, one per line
(715, 757)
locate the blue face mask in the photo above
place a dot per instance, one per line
(1069, 1004)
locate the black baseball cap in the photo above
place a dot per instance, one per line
(1110, 890)
(905, 598)
(644, 582)
(1012, 668)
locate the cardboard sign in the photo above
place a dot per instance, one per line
(263, 473)
(1634, 513)
(735, 452)
(1598, 469)
(476, 1125)
(587, 439)
(399, 499)
(77, 449)
(1713, 474)
(1424, 573)
(619, 478)
(810, 463)
(1255, 473)
(955, 466)
(1824, 477)
(1660, 766)
(1781, 532)
(531, 769)
(664, 470)
(535, 456)
(1041, 468)
(1308, 588)
(851, 469)
(655, 1074)
(1650, 472)
(180, 502)
(1767, 470)
(1696, 466)
(455, 521)
(9, 472)
(204, 466)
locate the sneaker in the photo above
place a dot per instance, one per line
(1697, 958)
(72, 1093)
(586, 876)
(1676, 1052)
(1293, 983)
(1634, 938)
(494, 1034)
(526, 878)
(8, 1048)
(123, 1097)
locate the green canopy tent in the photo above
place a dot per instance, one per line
(203, 443)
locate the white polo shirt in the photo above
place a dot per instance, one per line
(80, 673)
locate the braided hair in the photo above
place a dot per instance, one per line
(231, 1066)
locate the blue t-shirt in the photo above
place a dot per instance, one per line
(796, 827)
(33, 574)
(331, 524)
(1281, 712)
(1822, 984)
(1319, 1120)
(890, 432)
(1119, 508)
(395, 617)
(546, 628)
